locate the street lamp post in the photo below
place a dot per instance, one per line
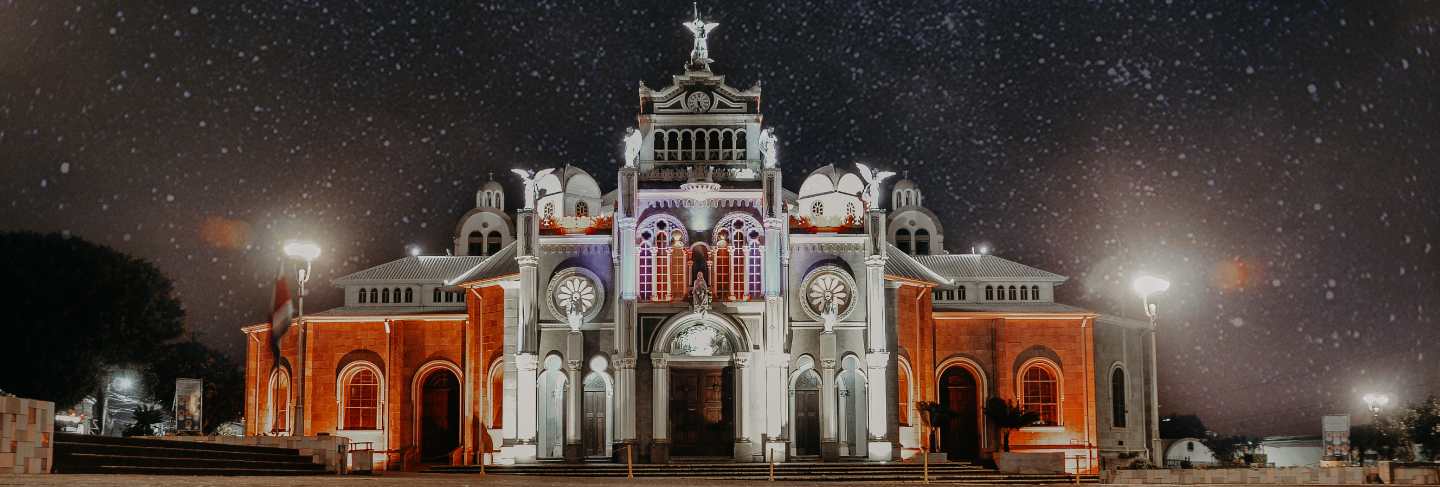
(1146, 286)
(308, 252)
(1376, 402)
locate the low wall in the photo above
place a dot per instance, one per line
(1410, 473)
(27, 427)
(324, 450)
(1281, 475)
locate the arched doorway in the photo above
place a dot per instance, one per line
(439, 415)
(596, 408)
(960, 435)
(807, 413)
(699, 361)
(550, 400)
(851, 410)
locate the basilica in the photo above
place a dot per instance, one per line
(702, 309)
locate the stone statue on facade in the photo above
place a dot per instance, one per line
(700, 54)
(872, 178)
(633, 139)
(529, 177)
(831, 314)
(700, 295)
(769, 152)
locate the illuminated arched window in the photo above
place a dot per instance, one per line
(1040, 392)
(582, 209)
(1035, 292)
(660, 146)
(989, 293)
(1012, 293)
(361, 386)
(1024, 293)
(902, 241)
(647, 271)
(961, 290)
(721, 270)
(374, 296)
(280, 400)
(385, 295)
(435, 295)
(753, 273)
(549, 213)
(362, 296)
(817, 208)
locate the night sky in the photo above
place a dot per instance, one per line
(1277, 161)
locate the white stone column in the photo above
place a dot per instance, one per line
(525, 365)
(660, 408)
(828, 398)
(878, 401)
(777, 405)
(742, 450)
(572, 405)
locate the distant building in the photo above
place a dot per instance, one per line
(1291, 451)
(1192, 450)
(700, 309)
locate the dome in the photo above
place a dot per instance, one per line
(491, 195)
(492, 185)
(905, 194)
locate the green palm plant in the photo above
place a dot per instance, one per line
(1008, 417)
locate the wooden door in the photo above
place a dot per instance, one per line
(594, 428)
(701, 412)
(807, 422)
(961, 434)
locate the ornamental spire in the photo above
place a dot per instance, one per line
(700, 53)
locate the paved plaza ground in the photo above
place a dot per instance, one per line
(399, 480)
(402, 480)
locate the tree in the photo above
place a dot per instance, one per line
(1422, 422)
(1177, 426)
(1386, 436)
(78, 307)
(1008, 416)
(224, 380)
(933, 415)
(145, 420)
(1226, 447)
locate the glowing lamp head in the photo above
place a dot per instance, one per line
(1376, 400)
(123, 383)
(415, 250)
(306, 251)
(1147, 286)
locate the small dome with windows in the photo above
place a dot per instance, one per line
(491, 195)
(831, 198)
(905, 194)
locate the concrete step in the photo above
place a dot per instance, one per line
(159, 443)
(952, 472)
(145, 456)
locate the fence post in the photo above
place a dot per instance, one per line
(629, 461)
(925, 452)
(771, 454)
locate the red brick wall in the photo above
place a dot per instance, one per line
(994, 341)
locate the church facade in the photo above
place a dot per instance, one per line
(700, 309)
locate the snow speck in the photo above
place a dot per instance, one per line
(169, 198)
(1275, 282)
(125, 237)
(1329, 295)
(64, 168)
(1318, 206)
(1249, 70)
(194, 10)
(44, 182)
(1237, 322)
(1311, 88)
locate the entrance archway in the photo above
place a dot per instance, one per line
(960, 395)
(700, 363)
(807, 412)
(595, 430)
(438, 409)
(851, 410)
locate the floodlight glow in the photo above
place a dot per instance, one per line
(306, 251)
(124, 383)
(1147, 285)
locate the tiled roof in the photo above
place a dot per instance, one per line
(899, 264)
(502, 263)
(417, 269)
(964, 267)
(1105, 319)
(1032, 307)
(343, 311)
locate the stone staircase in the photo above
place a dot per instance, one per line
(110, 455)
(951, 472)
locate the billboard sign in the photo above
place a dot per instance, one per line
(189, 401)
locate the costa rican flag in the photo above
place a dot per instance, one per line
(280, 312)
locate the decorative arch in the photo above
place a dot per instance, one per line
(278, 404)
(852, 390)
(360, 394)
(550, 390)
(495, 394)
(417, 382)
(905, 390)
(972, 367)
(734, 330)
